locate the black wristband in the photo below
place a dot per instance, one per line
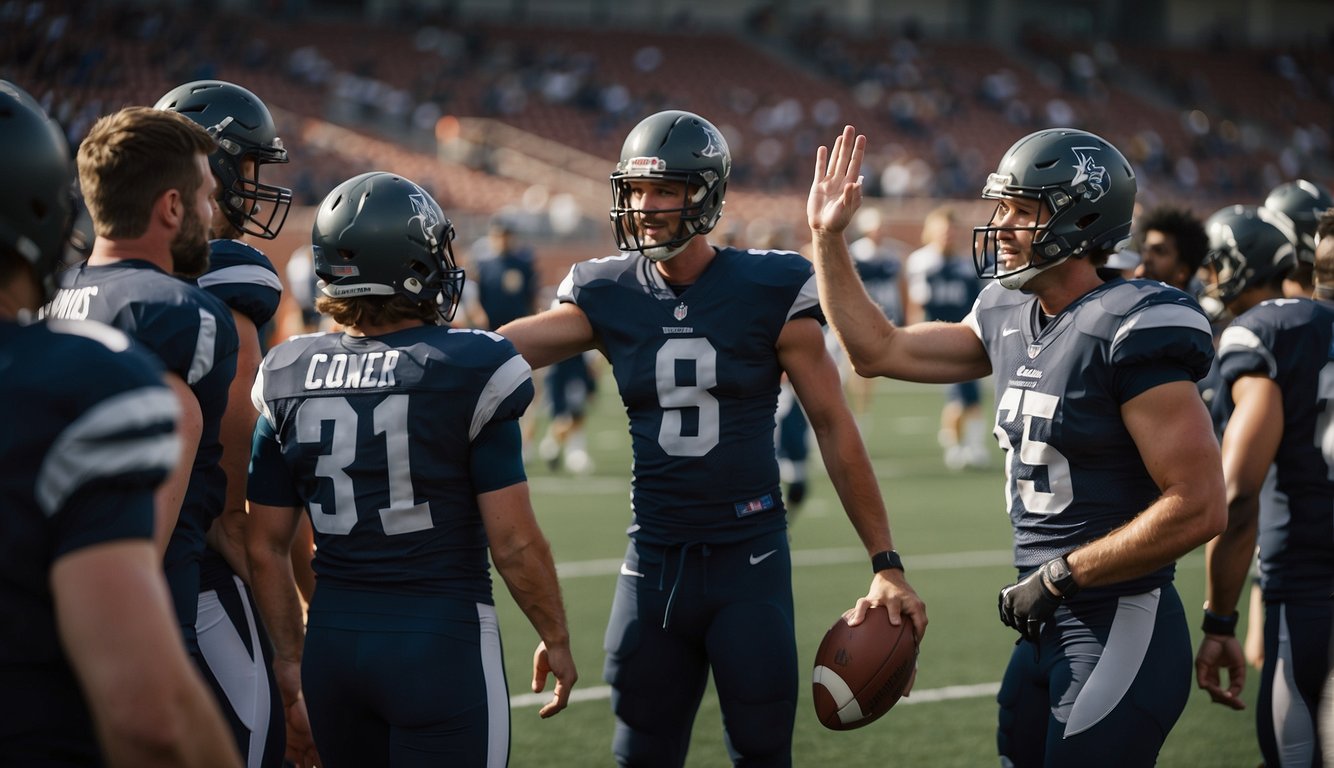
(883, 561)
(1218, 624)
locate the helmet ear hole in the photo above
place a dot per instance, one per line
(1084, 222)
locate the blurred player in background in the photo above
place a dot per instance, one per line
(1275, 359)
(92, 668)
(235, 648)
(942, 286)
(1112, 469)
(570, 386)
(1303, 202)
(698, 338)
(401, 439)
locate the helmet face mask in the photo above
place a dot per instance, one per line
(1248, 246)
(1086, 195)
(379, 234)
(679, 148)
(36, 207)
(247, 140)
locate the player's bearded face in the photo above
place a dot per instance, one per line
(1015, 242)
(189, 246)
(659, 209)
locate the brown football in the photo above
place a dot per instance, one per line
(862, 671)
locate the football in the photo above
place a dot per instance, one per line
(862, 671)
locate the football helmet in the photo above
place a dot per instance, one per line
(677, 146)
(1087, 191)
(1248, 245)
(244, 130)
(36, 205)
(1301, 201)
(379, 234)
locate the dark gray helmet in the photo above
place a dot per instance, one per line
(36, 205)
(1087, 189)
(244, 130)
(1248, 245)
(1301, 201)
(677, 146)
(379, 234)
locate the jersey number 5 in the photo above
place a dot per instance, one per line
(1019, 409)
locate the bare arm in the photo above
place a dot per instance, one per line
(1249, 446)
(117, 626)
(814, 376)
(167, 501)
(930, 352)
(1175, 438)
(227, 534)
(551, 336)
(269, 532)
(523, 558)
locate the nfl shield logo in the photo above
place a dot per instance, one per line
(680, 312)
(1034, 350)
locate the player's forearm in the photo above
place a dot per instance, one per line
(1228, 556)
(226, 536)
(279, 604)
(857, 321)
(1171, 527)
(850, 472)
(530, 576)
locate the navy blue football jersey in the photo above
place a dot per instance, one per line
(698, 374)
(244, 279)
(506, 285)
(375, 436)
(193, 335)
(1073, 473)
(89, 435)
(1291, 341)
(945, 288)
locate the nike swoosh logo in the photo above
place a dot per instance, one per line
(1009, 331)
(625, 571)
(754, 560)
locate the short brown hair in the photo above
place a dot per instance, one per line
(130, 158)
(361, 311)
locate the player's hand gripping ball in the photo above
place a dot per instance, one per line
(862, 671)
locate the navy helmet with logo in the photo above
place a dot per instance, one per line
(379, 234)
(1248, 246)
(680, 147)
(1087, 193)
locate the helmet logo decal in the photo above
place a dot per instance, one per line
(1088, 172)
(425, 215)
(714, 147)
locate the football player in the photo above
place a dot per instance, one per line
(92, 669)
(1171, 245)
(1276, 361)
(942, 286)
(698, 337)
(401, 438)
(234, 646)
(1303, 202)
(147, 185)
(1112, 469)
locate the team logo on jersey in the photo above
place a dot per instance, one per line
(1089, 173)
(680, 312)
(1034, 350)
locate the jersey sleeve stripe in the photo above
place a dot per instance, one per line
(507, 378)
(257, 399)
(241, 274)
(132, 432)
(205, 344)
(1162, 316)
(808, 297)
(1239, 338)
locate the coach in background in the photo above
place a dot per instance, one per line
(401, 438)
(1112, 467)
(92, 670)
(1276, 364)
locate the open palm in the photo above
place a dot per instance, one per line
(836, 191)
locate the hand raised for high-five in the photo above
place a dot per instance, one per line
(836, 191)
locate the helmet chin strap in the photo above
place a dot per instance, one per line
(661, 253)
(1020, 277)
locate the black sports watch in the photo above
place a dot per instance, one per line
(1057, 573)
(882, 561)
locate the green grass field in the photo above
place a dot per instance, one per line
(954, 536)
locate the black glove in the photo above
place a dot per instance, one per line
(1026, 604)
